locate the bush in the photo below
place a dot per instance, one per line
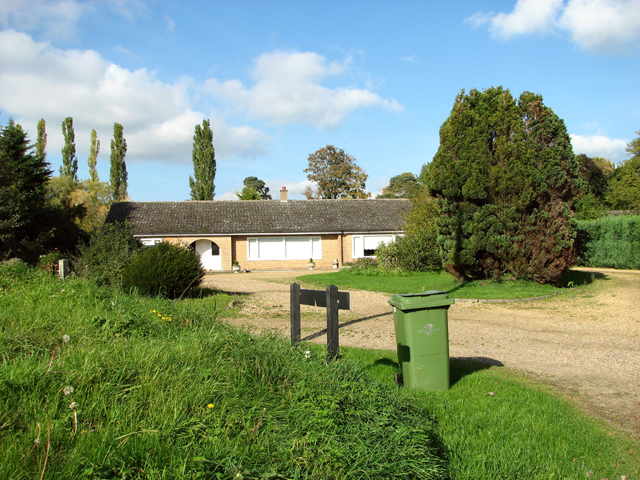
(166, 269)
(609, 242)
(418, 250)
(111, 248)
(361, 264)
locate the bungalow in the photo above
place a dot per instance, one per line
(268, 234)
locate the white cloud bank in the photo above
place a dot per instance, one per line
(40, 81)
(599, 146)
(597, 26)
(288, 90)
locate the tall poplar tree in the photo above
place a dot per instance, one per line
(41, 141)
(204, 163)
(69, 160)
(93, 156)
(118, 178)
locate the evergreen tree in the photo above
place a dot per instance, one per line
(93, 156)
(258, 185)
(23, 230)
(505, 176)
(248, 193)
(204, 163)
(69, 160)
(118, 177)
(336, 174)
(41, 141)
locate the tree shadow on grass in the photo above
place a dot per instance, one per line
(579, 278)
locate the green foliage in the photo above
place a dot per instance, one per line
(624, 187)
(609, 242)
(336, 174)
(505, 178)
(166, 269)
(69, 166)
(41, 140)
(29, 225)
(418, 249)
(363, 264)
(259, 186)
(162, 389)
(405, 185)
(204, 163)
(248, 193)
(596, 173)
(109, 250)
(118, 174)
(93, 157)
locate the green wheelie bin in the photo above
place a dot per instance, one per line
(422, 337)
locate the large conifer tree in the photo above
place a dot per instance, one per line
(118, 177)
(204, 163)
(505, 176)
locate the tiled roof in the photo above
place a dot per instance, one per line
(261, 216)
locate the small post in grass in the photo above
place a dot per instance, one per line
(295, 313)
(63, 268)
(332, 321)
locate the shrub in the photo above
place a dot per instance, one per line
(365, 263)
(166, 269)
(110, 249)
(609, 242)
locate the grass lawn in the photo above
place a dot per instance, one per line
(415, 282)
(97, 384)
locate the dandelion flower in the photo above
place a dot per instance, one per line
(168, 319)
(68, 390)
(210, 405)
(66, 338)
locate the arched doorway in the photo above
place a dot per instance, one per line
(209, 254)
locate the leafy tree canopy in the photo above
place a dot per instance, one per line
(505, 175)
(336, 174)
(624, 187)
(259, 186)
(248, 193)
(405, 185)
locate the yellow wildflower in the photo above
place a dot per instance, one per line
(210, 405)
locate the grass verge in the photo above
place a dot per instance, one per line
(415, 282)
(495, 423)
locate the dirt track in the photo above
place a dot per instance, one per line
(586, 345)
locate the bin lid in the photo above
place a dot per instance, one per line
(416, 301)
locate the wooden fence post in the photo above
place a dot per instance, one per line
(63, 269)
(295, 313)
(332, 321)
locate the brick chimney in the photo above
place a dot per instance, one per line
(284, 194)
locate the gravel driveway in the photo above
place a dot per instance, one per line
(587, 346)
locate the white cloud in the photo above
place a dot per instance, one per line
(599, 146)
(288, 90)
(528, 16)
(56, 18)
(594, 25)
(39, 81)
(171, 24)
(602, 25)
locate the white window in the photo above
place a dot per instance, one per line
(150, 242)
(284, 248)
(366, 245)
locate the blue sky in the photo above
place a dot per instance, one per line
(281, 79)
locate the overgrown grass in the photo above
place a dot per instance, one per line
(94, 384)
(164, 389)
(379, 280)
(495, 423)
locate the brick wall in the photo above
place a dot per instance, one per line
(224, 243)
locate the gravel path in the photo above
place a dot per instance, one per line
(587, 346)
